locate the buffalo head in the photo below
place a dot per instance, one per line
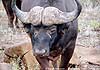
(42, 25)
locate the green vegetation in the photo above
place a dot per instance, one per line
(94, 24)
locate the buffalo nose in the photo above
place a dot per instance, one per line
(40, 52)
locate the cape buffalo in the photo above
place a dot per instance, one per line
(52, 26)
(10, 13)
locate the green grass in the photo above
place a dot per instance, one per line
(94, 24)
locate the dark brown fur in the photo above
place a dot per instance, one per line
(10, 13)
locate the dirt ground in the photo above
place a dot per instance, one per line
(8, 38)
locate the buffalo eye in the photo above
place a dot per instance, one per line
(36, 33)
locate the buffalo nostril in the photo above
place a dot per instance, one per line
(42, 51)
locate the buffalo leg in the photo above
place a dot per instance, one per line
(7, 6)
(66, 56)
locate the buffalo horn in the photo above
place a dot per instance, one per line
(20, 14)
(33, 16)
(52, 15)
